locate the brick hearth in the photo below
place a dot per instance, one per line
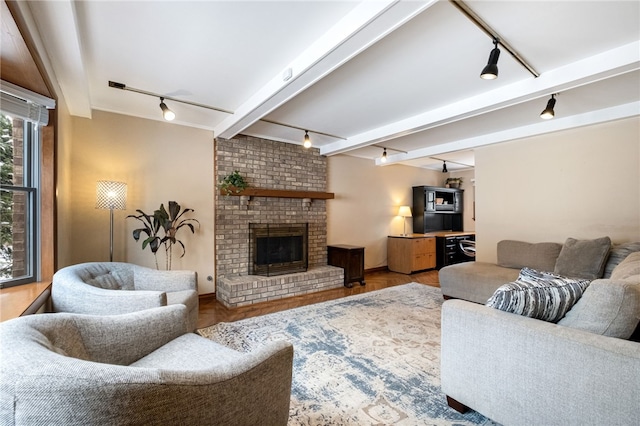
(273, 165)
(248, 289)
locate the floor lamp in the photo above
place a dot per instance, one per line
(405, 212)
(112, 196)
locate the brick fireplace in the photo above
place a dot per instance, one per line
(271, 165)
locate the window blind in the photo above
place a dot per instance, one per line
(23, 103)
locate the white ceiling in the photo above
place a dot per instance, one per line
(397, 74)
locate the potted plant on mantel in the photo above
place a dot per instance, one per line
(453, 182)
(233, 183)
(170, 223)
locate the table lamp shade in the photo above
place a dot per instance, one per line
(111, 195)
(405, 211)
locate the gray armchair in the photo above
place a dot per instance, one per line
(109, 288)
(140, 368)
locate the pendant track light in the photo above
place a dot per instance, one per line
(490, 72)
(444, 167)
(548, 112)
(383, 159)
(166, 112)
(307, 140)
(473, 17)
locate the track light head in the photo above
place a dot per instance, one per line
(444, 167)
(548, 112)
(383, 159)
(307, 140)
(490, 72)
(166, 112)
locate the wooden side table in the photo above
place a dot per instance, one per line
(349, 258)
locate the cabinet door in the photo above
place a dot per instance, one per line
(457, 202)
(355, 265)
(430, 198)
(399, 255)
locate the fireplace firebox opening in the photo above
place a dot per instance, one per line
(277, 249)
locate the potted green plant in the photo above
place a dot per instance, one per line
(233, 183)
(453, 182)
(170, 222)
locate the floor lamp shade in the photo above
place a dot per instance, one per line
(112, 196)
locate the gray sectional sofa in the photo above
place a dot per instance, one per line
(477, 281)
(518, 370)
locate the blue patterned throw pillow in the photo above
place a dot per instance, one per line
(542, 295)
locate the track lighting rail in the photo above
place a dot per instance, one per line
(304, 129)
(123, 86)
(473, 17)
(391, 149)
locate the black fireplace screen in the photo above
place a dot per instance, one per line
(276, 249)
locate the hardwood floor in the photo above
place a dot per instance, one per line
(212, 312)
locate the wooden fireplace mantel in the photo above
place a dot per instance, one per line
(280, 193)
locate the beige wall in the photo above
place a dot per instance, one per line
(364, 211)
(583, 183)
(63, 185)
(580, 183)
(468, 176)
(159, 162)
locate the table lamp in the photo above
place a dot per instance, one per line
(405, 212)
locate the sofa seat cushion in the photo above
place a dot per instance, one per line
(474, 281)
(187, 353)
(583, 258)
(189, 298)
(520, 254)
(540, 295)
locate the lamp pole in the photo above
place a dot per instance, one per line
(111, 195)
(111, 234)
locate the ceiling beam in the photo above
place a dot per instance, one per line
(367, 23)
(599, 67)
(64, 52)
(547, 126)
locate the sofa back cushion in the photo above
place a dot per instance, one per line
(610, 307)
(109, 276)
(520, 254)
(583, 258)
(619, 252)
(607, 307)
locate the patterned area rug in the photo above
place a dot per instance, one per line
(368, 359)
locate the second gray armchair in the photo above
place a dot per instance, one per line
(109, 288)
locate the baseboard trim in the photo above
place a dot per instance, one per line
(377, 269)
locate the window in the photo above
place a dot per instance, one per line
(20, 123)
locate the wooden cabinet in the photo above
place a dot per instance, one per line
(349, 258)
(411, 253)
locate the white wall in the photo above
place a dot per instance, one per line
(159, 162)
(367, 198)
(581, 183)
